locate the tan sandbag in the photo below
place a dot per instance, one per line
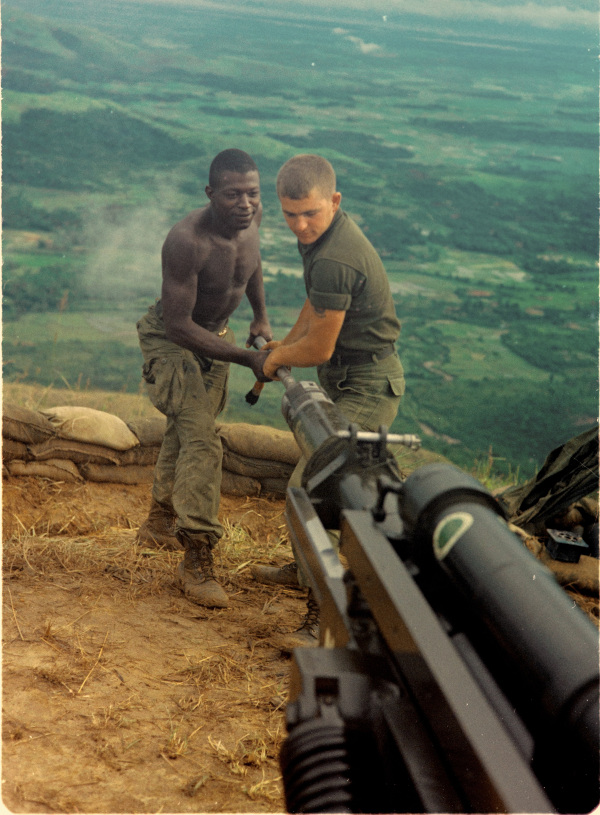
(582, 576)
(27, 426)
(117, 475)
(75, 450)
(238, 485)
(57, 469)
(260, 441)
(91, 425)
(255, 467)
(82, 452)
(274, 486)
(12, 449)
(149, 430)
(140, 455)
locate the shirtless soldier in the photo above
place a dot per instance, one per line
(209, 260)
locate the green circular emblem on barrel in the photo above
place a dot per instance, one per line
(449, 531)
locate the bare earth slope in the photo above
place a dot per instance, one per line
(119, 695)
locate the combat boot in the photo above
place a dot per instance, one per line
(158, 530)
(307, 636)
(285, 576)
(195, 572)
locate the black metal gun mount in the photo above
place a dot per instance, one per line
(453, 673)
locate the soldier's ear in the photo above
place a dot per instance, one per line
(209, 191)
(336, 200)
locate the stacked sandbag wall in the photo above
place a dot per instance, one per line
(80, 444)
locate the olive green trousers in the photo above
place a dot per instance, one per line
(191, 391)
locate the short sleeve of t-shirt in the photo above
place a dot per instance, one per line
(331, 285)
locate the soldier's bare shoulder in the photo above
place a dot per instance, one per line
(188, 240)
(192, 227)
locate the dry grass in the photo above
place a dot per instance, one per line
(110, 551)
(589, 605)
(126, 406)
(178, 706)
(238, 548)
(252, 750)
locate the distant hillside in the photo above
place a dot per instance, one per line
(468, 157)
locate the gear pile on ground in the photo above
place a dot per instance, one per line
(556, 515)
(76, 444)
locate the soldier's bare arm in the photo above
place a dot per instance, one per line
(260, 326)
(313, 343)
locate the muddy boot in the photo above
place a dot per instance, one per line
(307, 636)
(285, 576)
(195, 572)
(158, 530)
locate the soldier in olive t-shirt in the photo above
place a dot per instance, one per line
(347, 327)
(342, 271)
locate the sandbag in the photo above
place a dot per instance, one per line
(12, 449)
(117, 475)
(149, 430)
(255, 467)
(140, 455)
(582, 576)
(260, 441)
(78, 451)
(55, 469)
(91, 425)
(274, 486)
(27, 426)
(239, 485)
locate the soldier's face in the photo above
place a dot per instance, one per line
(236, 198)
(310, 217)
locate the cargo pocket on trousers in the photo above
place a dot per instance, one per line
(164, 383)
(397, 385)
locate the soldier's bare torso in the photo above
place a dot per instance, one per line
(210, 259)
(219, 266)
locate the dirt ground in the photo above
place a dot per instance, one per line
(119, 695)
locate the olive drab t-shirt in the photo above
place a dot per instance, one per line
(343, 272)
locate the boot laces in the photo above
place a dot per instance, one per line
(198, 557)
(202, 562)
(311, 619)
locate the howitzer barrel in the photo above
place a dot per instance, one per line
(311, 416)
(501, 666)
(540, 641)
(309, 412)
(457, 676)
(315, 420)
(344, 464)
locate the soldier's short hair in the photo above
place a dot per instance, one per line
(231, 160)
(301, 174)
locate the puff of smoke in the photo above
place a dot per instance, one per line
(123, 247)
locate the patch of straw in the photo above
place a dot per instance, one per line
(108, 553)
